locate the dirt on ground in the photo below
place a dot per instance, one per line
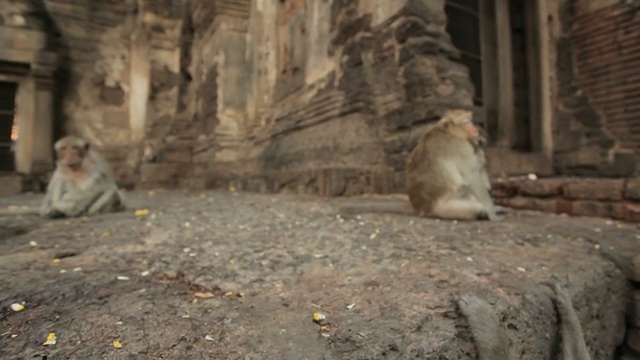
(227, 275)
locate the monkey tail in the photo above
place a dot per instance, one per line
(492, 343)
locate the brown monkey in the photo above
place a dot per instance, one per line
(82, 183)
(492, 342)
(152, 152)
(445, 172)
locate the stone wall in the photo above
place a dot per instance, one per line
(342, 91)
(323, 96)
(596, 123)
(611, 198)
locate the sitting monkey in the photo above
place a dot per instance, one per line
(446, 176)
(82, 183)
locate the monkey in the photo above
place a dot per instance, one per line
(82, 183)
(151, 152)
(445, 171)
(493, 343)
(446, 175)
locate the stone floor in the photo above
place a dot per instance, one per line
(227, 275)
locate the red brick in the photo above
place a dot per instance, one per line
(632, 189)
(594, 189)
(503, 189)
(544, 205)
(517, 202)
(542, 187)
(597, 208)
(564, 206)
(630, 212)
(528, 203)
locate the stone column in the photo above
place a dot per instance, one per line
(42, 157)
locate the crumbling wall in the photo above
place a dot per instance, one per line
(597, 124)
(342, 90)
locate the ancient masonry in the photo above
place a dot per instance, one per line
(632, 343)
(613, 198)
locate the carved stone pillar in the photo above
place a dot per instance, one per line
(42, 156)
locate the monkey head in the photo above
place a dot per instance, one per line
(71, 150)
(460, 123)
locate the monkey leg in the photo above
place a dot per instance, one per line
(110, 201)
(573, 344)
(460, 209)
(492, 343)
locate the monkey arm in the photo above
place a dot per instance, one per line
(78, 200)
(55, 189)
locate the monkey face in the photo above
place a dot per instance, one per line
(469, 128)
(71, 156)
(71, 150)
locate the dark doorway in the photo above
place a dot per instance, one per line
(7, 128)
(463, 26)
(476, 31)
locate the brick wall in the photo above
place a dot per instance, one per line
(597, 126)
(611, 198)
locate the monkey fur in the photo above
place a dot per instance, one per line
(82, 184)
(446, 176)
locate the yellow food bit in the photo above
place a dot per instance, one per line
(318, 316)
(56, 261)
(144, 212)
(232, 188)
(17, 307)
(229, 293)
(201, 295)
(63, 271)
(152, 193)
(51, 339)
(117, 344)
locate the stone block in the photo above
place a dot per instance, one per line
(597, 209)
(528, 203)
(518, 202)
(116, 119)
(594, 189)
(631, 212)
(628, 354)
(633, 338)
(564, 207)
(177, 156)
(10, 185)
(192, 184)
(542, 187)
(504, 189)
(163, 172)
(632, 189)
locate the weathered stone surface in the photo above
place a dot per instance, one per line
(10, 185)
(632, 189)
(594, 189)
(633, 338)
(288, 253)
